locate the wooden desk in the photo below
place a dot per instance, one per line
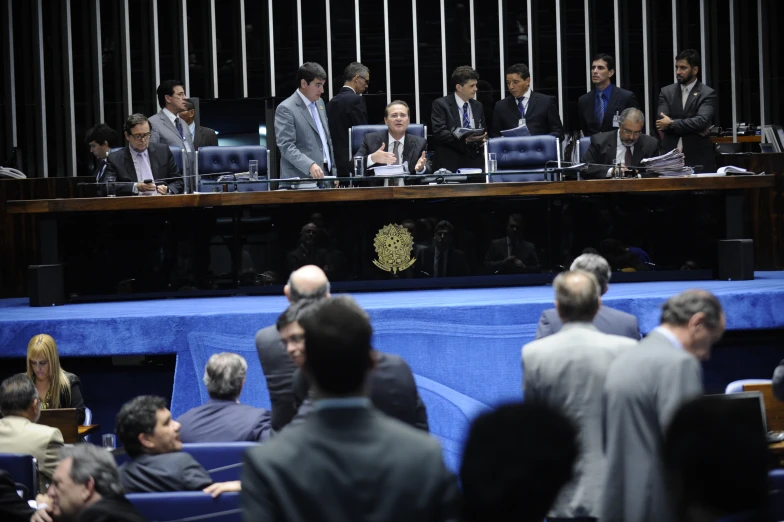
(741, 139)
(86, 430)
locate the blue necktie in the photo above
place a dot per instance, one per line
(322, 135)
(600, 108)
(466, 120)
(521, 107)
(178, 126)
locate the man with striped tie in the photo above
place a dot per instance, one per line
(459, 110)
(538, 111)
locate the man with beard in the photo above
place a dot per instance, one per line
(686, 113)
(628, 146)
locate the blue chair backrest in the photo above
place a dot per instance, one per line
(223, 460)
(357, 133)
(584, 144)
(522, 153)
(23, 470)
(187, 504)
(177, 153)
(776, 481)
(231, 159)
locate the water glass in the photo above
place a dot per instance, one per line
(109, 441)
(617, 170)
(359, 166)
(253, 170)
(492, 162)
(111, 186)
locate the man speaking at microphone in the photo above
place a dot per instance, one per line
(628, 146)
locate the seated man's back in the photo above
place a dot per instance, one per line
(177, 471)
(224, 421)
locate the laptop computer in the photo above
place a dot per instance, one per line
(751, 411)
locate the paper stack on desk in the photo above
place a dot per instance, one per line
(670, 164)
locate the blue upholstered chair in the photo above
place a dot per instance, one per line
(214, 160)
(522, 153)
(187, 505)
(357, 133)
(23, 470)
(177, 153)
(737, 386)
(584, 144)
(776, 481)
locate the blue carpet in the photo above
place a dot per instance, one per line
(463, 345)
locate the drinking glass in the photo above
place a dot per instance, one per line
(492, 162)
(253, 170)
(359, 166)
(109, 441)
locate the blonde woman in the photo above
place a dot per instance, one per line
(56, 387)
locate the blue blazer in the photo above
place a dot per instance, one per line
(225, 421)
(608, 320)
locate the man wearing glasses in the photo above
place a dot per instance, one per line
(627, 147)
(134, 166)
(346, 109)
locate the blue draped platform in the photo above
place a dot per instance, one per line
(463, 345)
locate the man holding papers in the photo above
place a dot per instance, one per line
(394, 146)
(628, 146)
(538, 112)
(456, 111)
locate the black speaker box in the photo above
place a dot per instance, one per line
(736, 260)
(45, 285)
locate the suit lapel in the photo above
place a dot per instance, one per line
(531, 102)
(612, 147)
(305, 111)
(638, 152)
(168, 123)
(455, 110)
(693, 95)
(128, 161)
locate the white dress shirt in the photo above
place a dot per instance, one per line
(460, 103)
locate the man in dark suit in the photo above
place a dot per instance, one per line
(686, 113)
(346, 109)
(223, 418)
(309, 282)
(346, 461)
(599, 109)
(394, 146)
(13, 508)
(442, 259)
(607, 320)
(102, 139)
(511, 254)
(627, 146)
(142, 161)
(538, 111)
(202, 136)
(455, 111)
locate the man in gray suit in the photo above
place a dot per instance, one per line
(644, 388)
(567, 371)
(302, 128)
(167, 126)
(607, 320)
(346, 461)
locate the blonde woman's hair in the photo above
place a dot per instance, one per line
(44, 345)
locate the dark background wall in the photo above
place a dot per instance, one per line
(69, 64)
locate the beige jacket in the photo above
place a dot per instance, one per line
(19, 435)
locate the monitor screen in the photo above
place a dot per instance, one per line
(750, 408)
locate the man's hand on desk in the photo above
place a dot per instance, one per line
(316, 172)
(162, 189)
(384, 158)
(513, 261)
(145, 187)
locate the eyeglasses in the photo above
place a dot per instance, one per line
(630, 133)
(142, 137)
(367, 80)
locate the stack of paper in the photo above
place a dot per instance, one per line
(670, 164)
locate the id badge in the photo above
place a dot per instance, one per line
(521, 122)
(616, 120)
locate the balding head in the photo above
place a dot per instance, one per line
(308, 282)
(577, 296)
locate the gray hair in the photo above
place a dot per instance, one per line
(90, 460)
(577, 295)
(353, 69)
(224, 375)
(679, 309)
(17, 393)
(595, 265)
(632, 114)
(296, 295)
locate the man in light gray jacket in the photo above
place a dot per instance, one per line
(566, 370)
(167, 127)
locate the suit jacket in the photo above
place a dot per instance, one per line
(344, 110)
(120, 164)
(224, 421)
(204, 137)
(298, 138)
(567, 371)
(603, 148)
(163, 131)
(413, 148)
(176, 471)
(359, 465)
(456, 263)
(499, 251)
(692, 123)
(644, 388)
(541, 116)
(620, 99)
(392, 390)
(19, 435)
(452, 153)
(608, 320)
(278, 371)
(111, 510)
(12, 507)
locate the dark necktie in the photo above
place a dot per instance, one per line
(396, 152)
(100, 171)
(628, 157)
(178, 126)
(466, 120)
(600, 109)
(521, 106)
